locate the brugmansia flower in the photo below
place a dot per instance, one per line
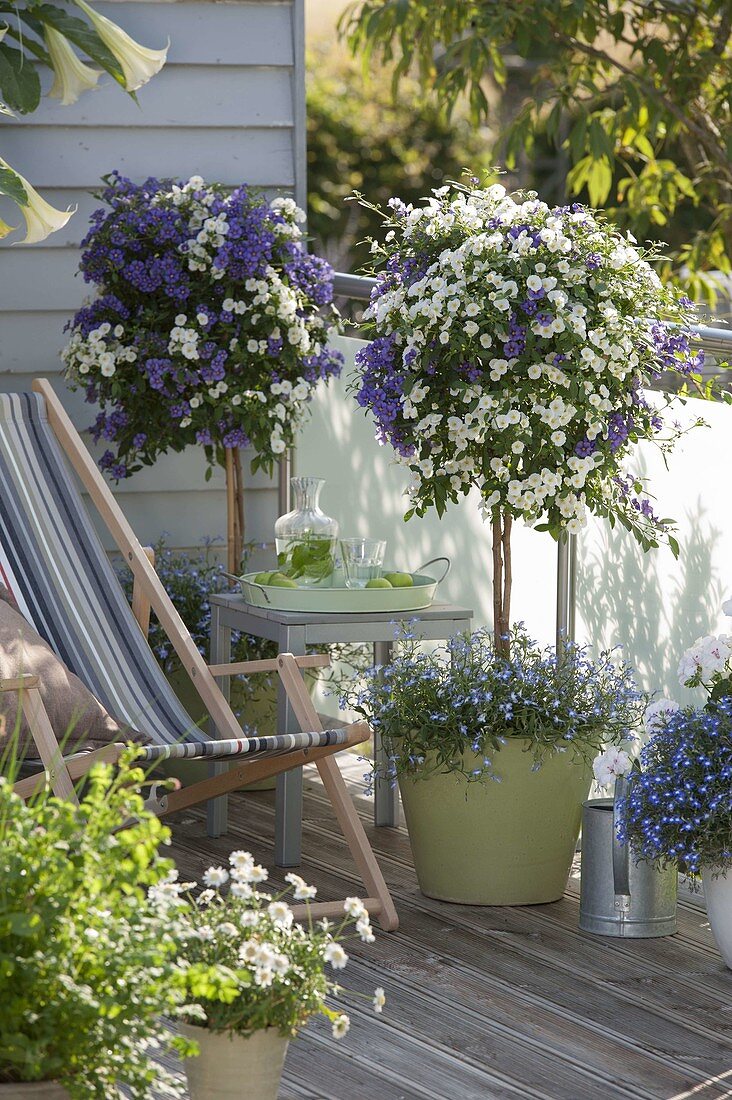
(139, 64)
(71, 75)
(41, 218)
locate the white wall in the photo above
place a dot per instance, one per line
(650, 603)
(228, 105)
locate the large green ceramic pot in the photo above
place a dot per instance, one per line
(488, 843)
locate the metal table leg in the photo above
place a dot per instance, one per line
(386, 797)
(288, 800)
(217, 821)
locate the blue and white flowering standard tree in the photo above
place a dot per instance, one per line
(511, 346)
(210, 327)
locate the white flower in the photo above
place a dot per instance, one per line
(301, 890)
(727, 607)
(215, 876)
(335, 955)
(340, 1026)
(138, 63)
(202, 318)
(611, 764)
(379, 1000)
(41, 218)
(71, 75)
(280, 913)
(365, 932)
(228, 929)
(709, 657)
(241, 890)
(355, 908)
(180, 320)
(657, 712)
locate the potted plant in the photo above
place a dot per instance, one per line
(678, 808)
(512, 342)
(254, 977)
(87, 964)
(493, 755)
(209, 328)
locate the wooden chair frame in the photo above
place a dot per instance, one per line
(149, 594)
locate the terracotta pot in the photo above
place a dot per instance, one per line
(507, 843)
(235, 1067)
(33, 1090)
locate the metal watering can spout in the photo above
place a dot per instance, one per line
(621, 852)
(621, 895)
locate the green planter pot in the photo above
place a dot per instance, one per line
(507, 843)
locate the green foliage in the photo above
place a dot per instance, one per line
(359, 138)
(310, 556)
(636, 95)
(86, 963)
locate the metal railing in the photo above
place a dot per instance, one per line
(712, 339)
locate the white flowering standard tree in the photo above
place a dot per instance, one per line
(34, 36)
(511, 344)
(210, 326)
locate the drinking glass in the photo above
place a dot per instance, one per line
(362, 560)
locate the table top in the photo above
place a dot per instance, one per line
(436, 612)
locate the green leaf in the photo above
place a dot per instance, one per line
(19, 81)
(11, 186)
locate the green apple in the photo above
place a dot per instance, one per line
(399, 580)
(379, 582)
(279, 580)
(263, 578)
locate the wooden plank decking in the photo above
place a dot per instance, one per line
(488, 1003)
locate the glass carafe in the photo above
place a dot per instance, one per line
(305, 537)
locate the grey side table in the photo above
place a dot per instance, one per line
(294, 632)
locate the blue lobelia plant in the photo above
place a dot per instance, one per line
(468, 698)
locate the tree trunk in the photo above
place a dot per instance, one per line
(502, 580)
(234, 509)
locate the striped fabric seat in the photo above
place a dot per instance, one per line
(53, 562)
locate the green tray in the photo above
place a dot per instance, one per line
(344, 600)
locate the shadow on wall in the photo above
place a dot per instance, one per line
(654, 606)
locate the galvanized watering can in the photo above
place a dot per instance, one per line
(619, 896)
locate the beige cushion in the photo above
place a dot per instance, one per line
(78, 719)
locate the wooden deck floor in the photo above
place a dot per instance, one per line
(488, 1003)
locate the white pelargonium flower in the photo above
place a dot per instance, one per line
(138, 63)
(610, 765)
(709, 657)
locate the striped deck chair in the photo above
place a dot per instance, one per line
(54, 564)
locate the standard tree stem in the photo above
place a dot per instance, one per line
(234, 509)
(502, 579)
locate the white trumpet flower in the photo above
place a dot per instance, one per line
(71, 75)
(41, 218)
(138, 63)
